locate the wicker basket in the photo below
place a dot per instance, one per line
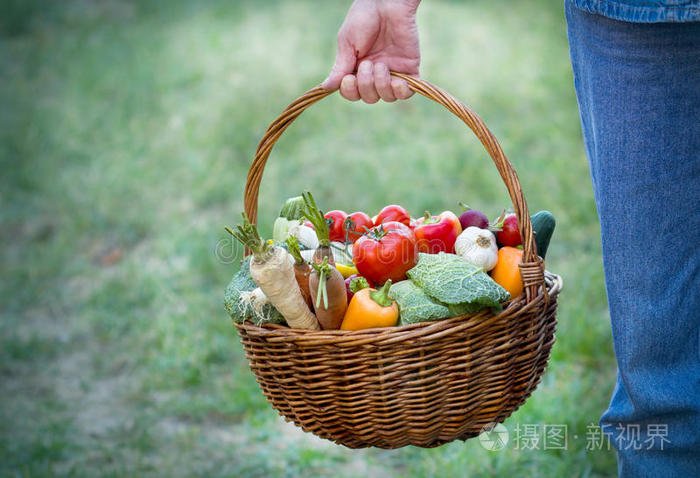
(423, 384)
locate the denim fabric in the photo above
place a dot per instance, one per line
(638, 88)
(644, 11)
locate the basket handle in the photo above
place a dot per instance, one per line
(531, 269)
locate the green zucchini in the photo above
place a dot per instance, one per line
(543, 226)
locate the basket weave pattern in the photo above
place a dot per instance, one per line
(422, 384)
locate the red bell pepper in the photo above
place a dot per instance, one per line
(437, 233)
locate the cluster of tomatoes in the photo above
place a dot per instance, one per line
(383, 247)
(387, 245)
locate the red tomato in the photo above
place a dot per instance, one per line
(509, 235)
(336, 228)
(393, 213)
(437, 233)
(386, 252)
(360, 223)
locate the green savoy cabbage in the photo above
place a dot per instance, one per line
(415, 305)
(240, 310)
(461, 286)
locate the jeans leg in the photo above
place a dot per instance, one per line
(638, 87)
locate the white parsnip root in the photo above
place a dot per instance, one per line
(276, 279)
(273, 273)
(254, 300)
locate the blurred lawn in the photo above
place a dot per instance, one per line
(126, 130)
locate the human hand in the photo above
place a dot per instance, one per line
(377, 36)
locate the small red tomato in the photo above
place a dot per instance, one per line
(336, 228)
(357, 224)
(386, 252)
(393, 213)
(437, 233)
(509, 235)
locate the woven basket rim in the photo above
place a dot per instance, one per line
(475, 321)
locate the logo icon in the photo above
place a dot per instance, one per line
(494, 436)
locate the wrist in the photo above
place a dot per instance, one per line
(412, 5)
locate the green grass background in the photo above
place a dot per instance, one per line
(126, 130)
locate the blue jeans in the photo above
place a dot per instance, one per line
(644, 11)
(638, 88)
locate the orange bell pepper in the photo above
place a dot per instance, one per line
(507, 272)
(371, 308)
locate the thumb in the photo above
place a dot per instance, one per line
(344, 65)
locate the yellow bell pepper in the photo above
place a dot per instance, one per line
(346, 270)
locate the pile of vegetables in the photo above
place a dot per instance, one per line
(351, 271)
